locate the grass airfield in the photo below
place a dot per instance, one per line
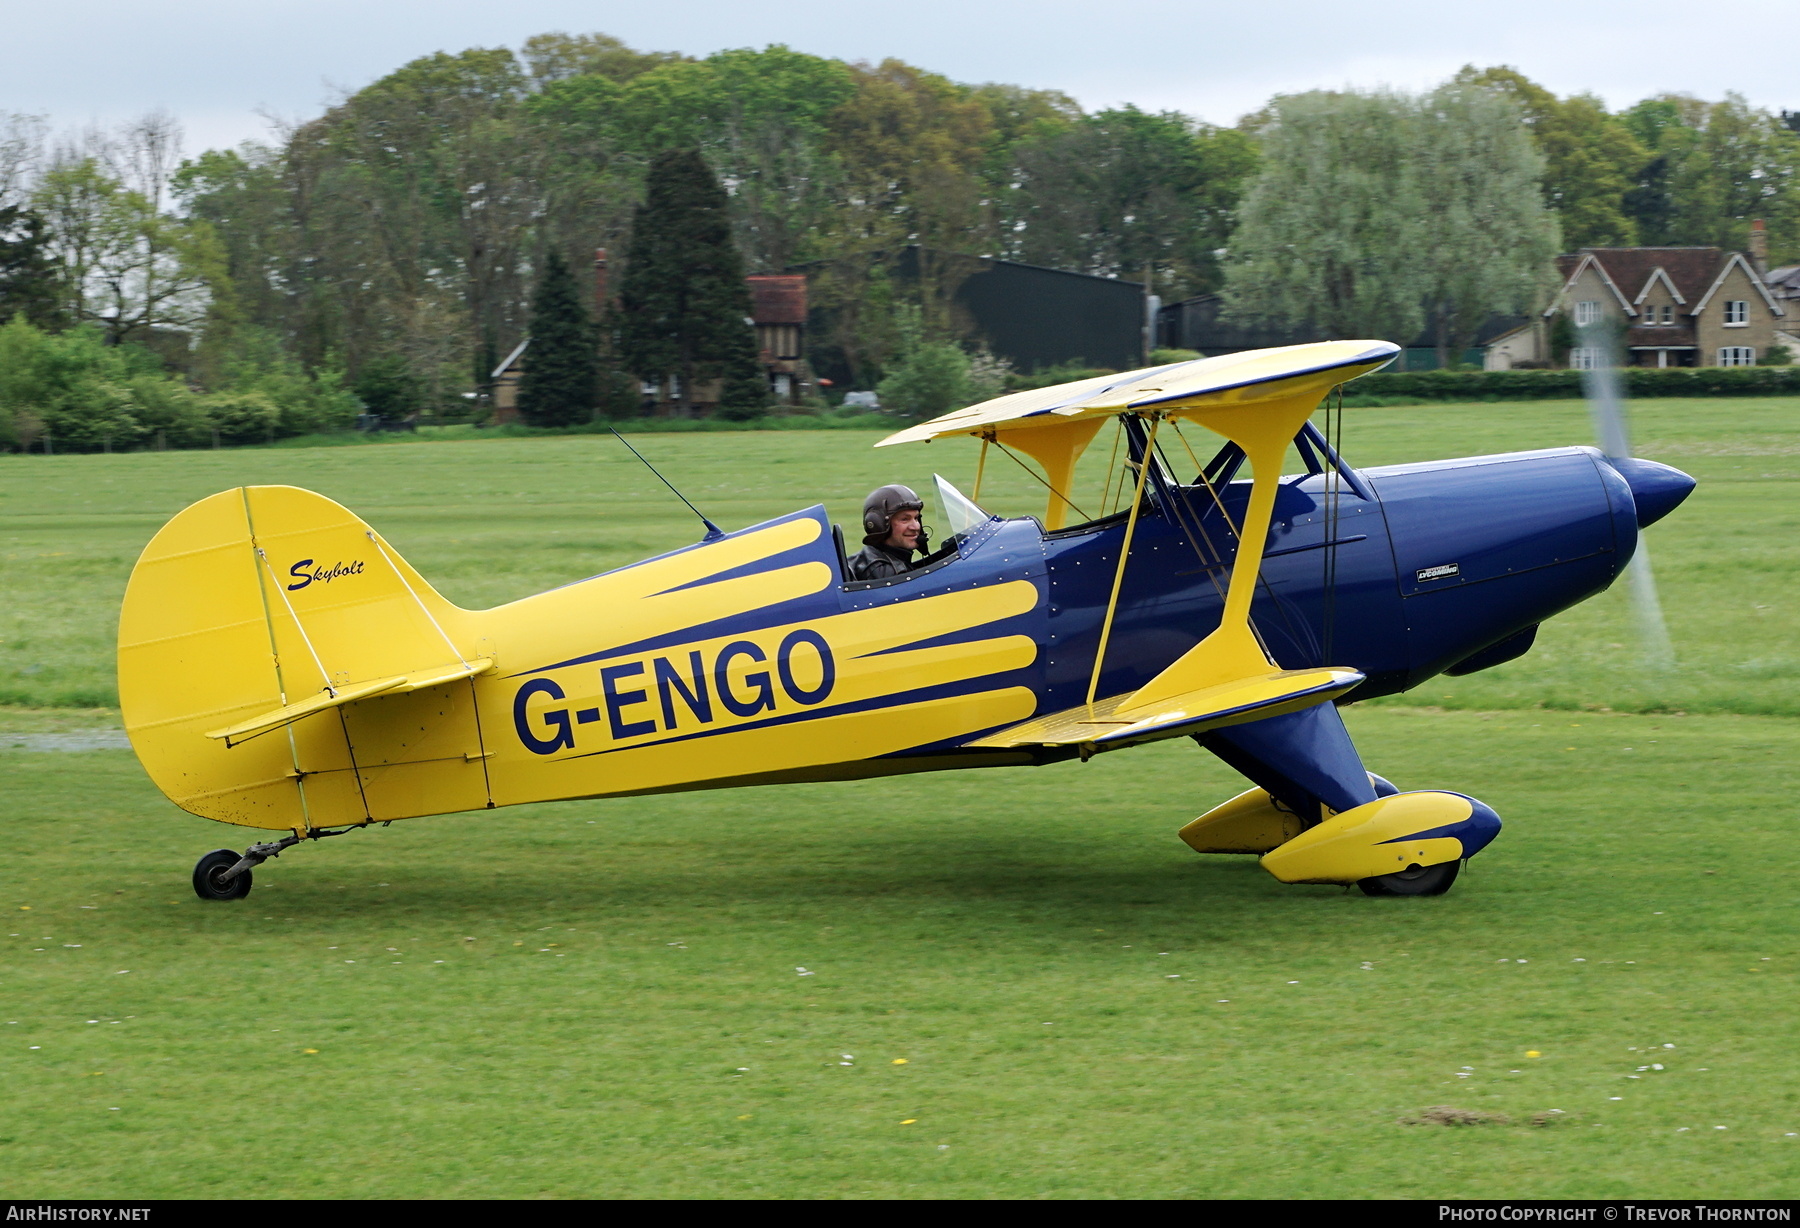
(1040, 991)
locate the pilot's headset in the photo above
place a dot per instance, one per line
(880, 508)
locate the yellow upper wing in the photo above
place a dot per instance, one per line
(1230, 379)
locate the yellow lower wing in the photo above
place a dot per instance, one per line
(1124, 719)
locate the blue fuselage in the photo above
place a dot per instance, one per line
(1433, 566)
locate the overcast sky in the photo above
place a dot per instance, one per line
(217, 63)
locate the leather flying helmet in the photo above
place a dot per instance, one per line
(881, 505)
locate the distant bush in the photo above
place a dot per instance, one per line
(1562, 385)
(71, 391)
(244, 417)
(1159, 358)
(932, 379)
(1061, 373)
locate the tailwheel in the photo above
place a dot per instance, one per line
(1414, 880)
(210, 882)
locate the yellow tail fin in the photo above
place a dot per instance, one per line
(253, 610)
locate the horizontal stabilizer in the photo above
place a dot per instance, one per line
(1118, 721)
(418, 680)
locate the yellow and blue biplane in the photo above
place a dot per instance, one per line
(282, 667)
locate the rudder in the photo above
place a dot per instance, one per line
(270, 597)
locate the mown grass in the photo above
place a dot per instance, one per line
(1083, 1008)
(490, 521)
(605, 999)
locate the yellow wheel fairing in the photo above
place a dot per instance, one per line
(1251, 822)
(1379, 837)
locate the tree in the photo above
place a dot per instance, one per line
(1335, 222)
(1490, 236)
(27, 277)
(123, 259)
(1376, 213)
(934, 376)
(1592, 158)
(768, 148)
(759, 119)
(21, 146)
(560, 384)
(558, 57)
(683, 306)
(913, 146)
(1716, 167)
(1124, 193)
(421, 200)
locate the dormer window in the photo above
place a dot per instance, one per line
(1668, 313)
(1737, 312)
(1587, 311)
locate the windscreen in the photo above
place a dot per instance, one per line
(960, 513)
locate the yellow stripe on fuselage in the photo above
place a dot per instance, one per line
(688, 711)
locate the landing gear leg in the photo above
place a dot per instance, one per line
(225, 875)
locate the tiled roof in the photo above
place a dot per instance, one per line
(778, 298)
(1692, 269)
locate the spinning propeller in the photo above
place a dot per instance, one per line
(1606, 403)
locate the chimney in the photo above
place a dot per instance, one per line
(600, 282)
(1759, 246)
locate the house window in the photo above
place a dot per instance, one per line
(1737, 356)
(1586, 358)
(782, 341)
(1737, 311)
(1668, 313)
(1587, 312)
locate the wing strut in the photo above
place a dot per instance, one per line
(1259, 401)
(1232, 652)
(1112, 602)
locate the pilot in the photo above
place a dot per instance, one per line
(893, 530)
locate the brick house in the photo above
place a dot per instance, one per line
(778, 309)
(1673, 306)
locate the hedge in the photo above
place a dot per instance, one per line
(1562, 385)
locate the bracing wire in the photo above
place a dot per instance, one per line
(418, 601)
(1217, 563)
(299, 626)
(1333, 490)
(1041, 481)
(1112, 602)
(1178, 507)
(1205, 481)
(1192, 455)
(1106, 486)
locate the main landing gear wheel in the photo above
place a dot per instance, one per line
(1414, 880)
(210, 882)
